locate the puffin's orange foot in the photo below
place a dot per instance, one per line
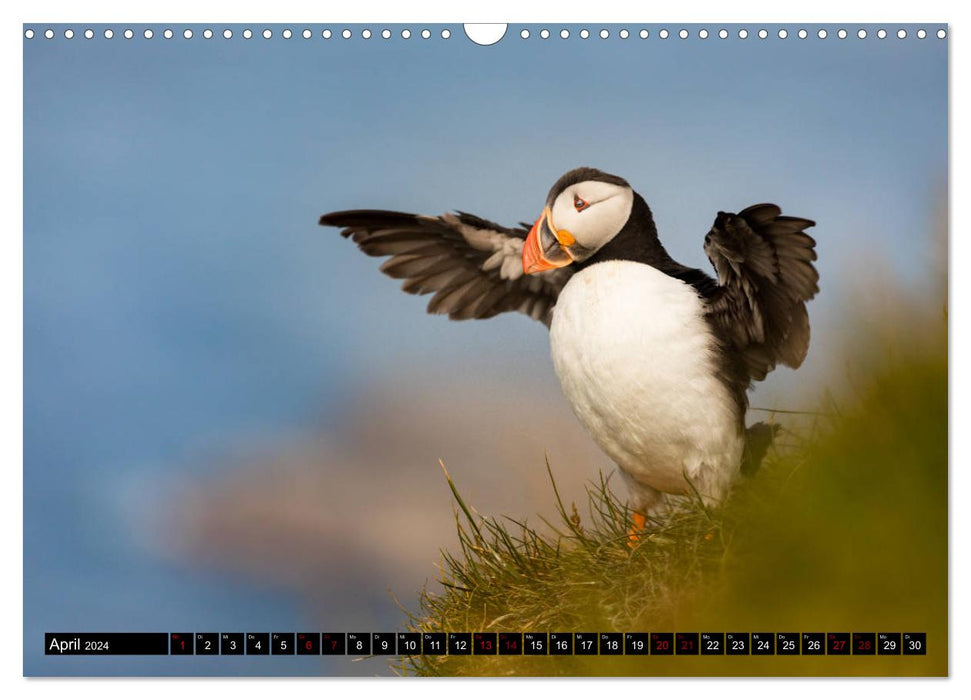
(633, 532)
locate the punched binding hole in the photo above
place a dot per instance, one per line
(487, 34)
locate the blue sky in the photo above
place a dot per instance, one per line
(179, 296)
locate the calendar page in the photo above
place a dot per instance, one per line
(603, 349)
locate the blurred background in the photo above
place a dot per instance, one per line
(232, 421)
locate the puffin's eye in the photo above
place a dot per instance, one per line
(580, 204)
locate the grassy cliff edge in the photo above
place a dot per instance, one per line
(844, 529)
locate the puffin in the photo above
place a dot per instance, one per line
(655, 358)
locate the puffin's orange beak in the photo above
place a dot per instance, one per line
(545, 247)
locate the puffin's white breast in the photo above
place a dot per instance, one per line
(634, 356)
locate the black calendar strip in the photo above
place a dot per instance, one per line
(487, 643)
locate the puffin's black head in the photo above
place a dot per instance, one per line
(585, 210)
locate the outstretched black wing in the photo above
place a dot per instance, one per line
(766, 275)
(473, 266)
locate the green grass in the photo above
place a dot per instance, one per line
(844, 528)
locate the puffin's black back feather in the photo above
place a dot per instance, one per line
(758, 439)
